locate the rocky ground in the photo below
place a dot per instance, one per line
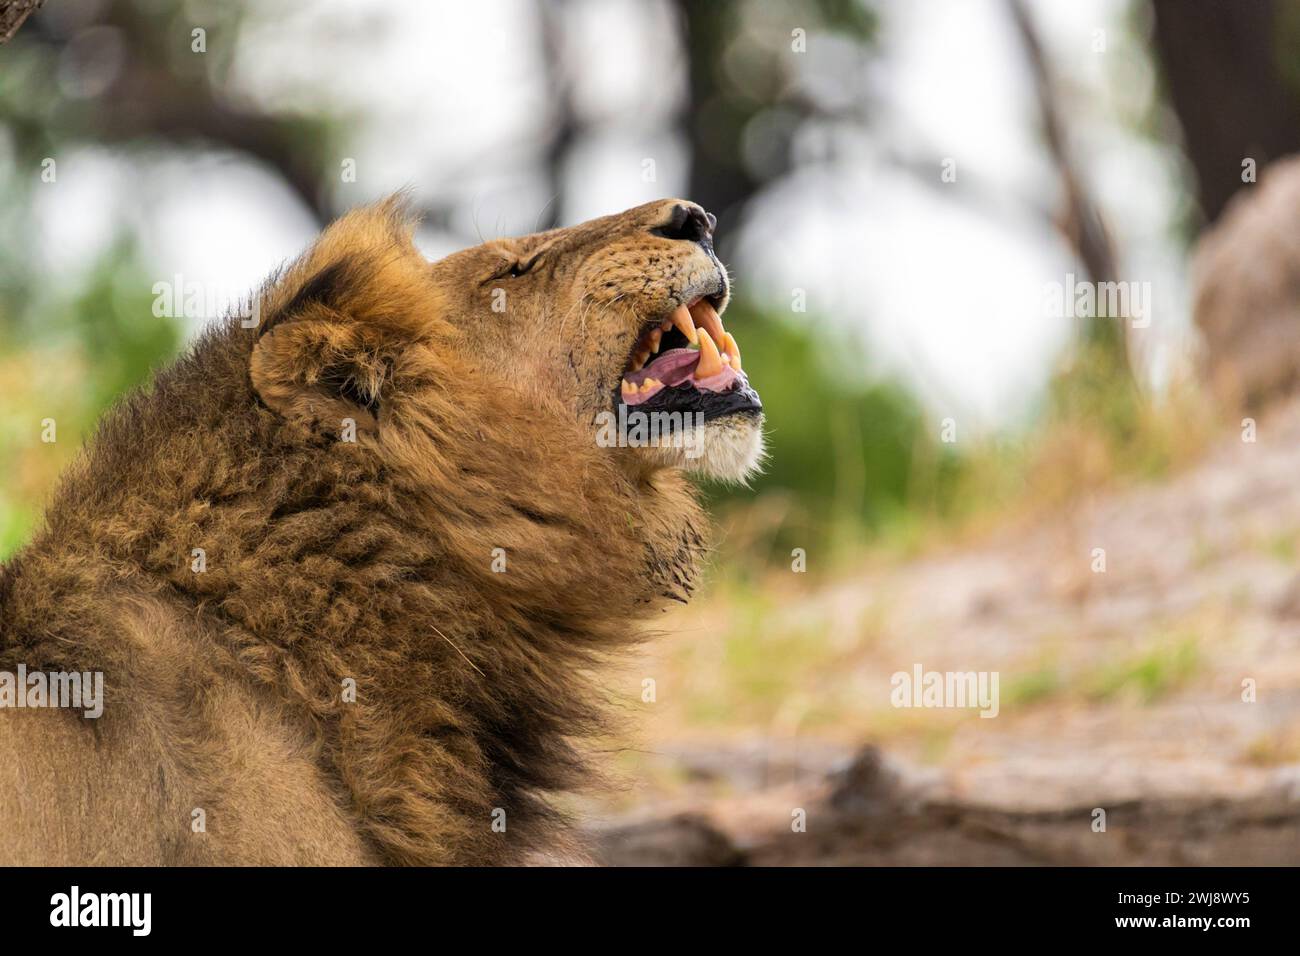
(1126, 690)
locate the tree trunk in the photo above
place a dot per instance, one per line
(718, 179)
(1223, 66)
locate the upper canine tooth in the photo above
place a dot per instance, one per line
(731, 348)
(681, 318)
(706, 316)
(710, 362)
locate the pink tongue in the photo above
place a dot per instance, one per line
(672, 368)
(675, 367)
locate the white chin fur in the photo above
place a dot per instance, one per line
(731, 450)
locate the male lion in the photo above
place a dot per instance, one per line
(343, 572)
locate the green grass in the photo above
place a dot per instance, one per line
(1282, 546)
(1147, 676)
(1032, 687)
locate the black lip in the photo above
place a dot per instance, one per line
(688, 399)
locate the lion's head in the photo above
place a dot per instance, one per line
(615, 322)
(619, 318)
(583, 369)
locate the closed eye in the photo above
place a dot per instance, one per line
(520, 267)
(512, 270)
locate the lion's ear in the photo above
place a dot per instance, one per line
(333, 326)
(323, 373)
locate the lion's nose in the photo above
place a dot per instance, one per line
(689, 222)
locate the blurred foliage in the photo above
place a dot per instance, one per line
(1090, 388)
(112, 319)
(751, 95)
(1138, 434)
(67, 355)
(123, 74)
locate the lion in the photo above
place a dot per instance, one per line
(346, 566)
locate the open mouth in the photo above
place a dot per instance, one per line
(688, 362)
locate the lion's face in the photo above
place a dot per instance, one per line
(537, 395)
(620, 320)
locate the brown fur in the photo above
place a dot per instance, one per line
(329, 560)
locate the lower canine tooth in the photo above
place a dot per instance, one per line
(731, 348)
(710, 362)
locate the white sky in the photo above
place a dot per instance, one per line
(942, 282)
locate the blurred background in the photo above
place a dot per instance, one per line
(966, 473)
